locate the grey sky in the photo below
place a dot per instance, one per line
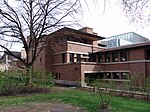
(112, 22)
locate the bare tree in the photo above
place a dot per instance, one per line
(137, 10)
(27, 21)
(32, 19)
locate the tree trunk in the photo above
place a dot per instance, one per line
(29, 76)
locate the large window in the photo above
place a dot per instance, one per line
(100, 58)
(114, 56)
(123, 55)
(108, 75)
(125, 75)
(71, 57)
(107, 57)
(115, 75)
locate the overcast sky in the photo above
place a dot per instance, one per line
(112, 22)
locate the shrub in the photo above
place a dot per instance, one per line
(15, 83)
(104, 91)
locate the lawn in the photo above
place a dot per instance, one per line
(87, 100)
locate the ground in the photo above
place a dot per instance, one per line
(42, 107)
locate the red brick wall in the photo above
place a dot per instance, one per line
(138, 73)
(117, 66)
(69, 72)
(137, 54)
(37, 65)
(57, 58)
(91, 67)
(81, 48)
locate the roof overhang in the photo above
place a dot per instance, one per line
(78, 33)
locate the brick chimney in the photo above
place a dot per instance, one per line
(88, 30)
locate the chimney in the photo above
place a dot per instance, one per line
(88, 30)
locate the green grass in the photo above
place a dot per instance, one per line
(88, 101)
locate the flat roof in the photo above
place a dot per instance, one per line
(131, 46)
(79, 33)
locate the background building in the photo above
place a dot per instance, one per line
(8, 62)
(123, 39)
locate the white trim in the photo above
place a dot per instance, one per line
(77, 52)
(96, 63)
(70, 63)
(135, 61)
(59, 53)
(70, 52)
(107, 71)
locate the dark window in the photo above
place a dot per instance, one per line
(108, 75)
(100, 58)
(123, 56)
(114, 56)
(115, 75)
(92, 57)
(78, 57)
(71, 57)
(124, 75)
(99, 75)
(148, 54)
(40, 59)
(107, 57)
(63, 58)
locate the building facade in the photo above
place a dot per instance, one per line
(76, 55)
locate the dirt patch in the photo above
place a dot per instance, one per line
(42, 107)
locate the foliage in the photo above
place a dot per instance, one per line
(43, 79)
(12, 83)
(147, 86)
(87, 100)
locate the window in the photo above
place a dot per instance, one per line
(148, 54)
(107, 57)
(78, 57)
(124, 75)
(114, 56)
(84, 57)
(71, 57)
(100, 58)
(56, 76)
(40, 59)
(63, 58)
(92, 57)
(123, 56)
(115, 75)
(108, 76)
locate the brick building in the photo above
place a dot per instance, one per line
(72, 55)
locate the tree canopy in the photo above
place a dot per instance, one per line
(137, 10)
(34, 18)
